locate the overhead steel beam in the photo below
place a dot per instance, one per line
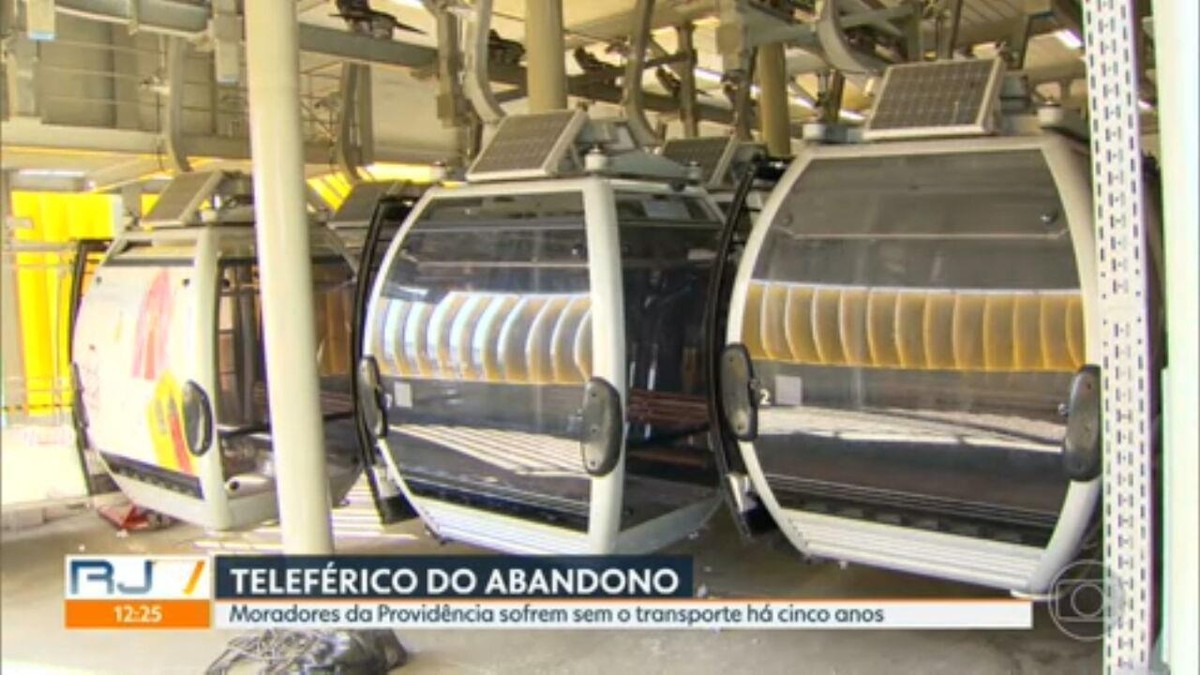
(1071, 70)
(153, 15)
(179, 19)
(591, 88)
(175, 18)
(747, 26)
(31, 134)
(364, 49)
(18, 181)
(981, 33)
(615, 26)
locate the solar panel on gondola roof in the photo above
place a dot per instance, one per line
(936, 99)
(182, 196)
(712, 154)
(528, 145)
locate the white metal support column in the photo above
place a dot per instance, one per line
(546, 66)
(273, 70)
(773, 100)
(1178, 63)
(1123, 263)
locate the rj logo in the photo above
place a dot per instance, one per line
(92, 572)
(132, 591)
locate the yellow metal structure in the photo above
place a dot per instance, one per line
(43, 279)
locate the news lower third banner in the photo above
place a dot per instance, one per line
(481, 592)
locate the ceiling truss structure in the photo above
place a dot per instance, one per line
(214, 32)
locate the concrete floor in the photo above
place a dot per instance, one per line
(31, 576)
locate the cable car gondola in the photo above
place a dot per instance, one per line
(168, 348)
(533, 362)
(912, 353)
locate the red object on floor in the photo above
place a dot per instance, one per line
(132, 517)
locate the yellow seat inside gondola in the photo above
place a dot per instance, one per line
(473, 336)
(915, 328)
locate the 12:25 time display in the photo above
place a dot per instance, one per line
(136, 613)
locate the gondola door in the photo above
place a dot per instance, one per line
(668, 240)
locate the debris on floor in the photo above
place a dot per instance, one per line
(312, 652)
(131, 517)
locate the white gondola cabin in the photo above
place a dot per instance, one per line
(913, 341)
(168, 351)
(533, 346)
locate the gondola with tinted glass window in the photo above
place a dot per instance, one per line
(533, 350)
(913, 341)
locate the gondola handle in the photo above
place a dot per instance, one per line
(1083, 440)
(603, 431)
(739, 392)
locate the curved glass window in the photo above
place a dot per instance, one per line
(243, 414)
(916, 321)
(483, 335)
(668, 245)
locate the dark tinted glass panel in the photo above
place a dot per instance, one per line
(668, 243)
(483, 336)
(243, 413)
(916, 321)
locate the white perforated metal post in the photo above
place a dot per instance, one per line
(1122, 267)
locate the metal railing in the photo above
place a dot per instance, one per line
(41, 392)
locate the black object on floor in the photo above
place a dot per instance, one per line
(312, 652)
